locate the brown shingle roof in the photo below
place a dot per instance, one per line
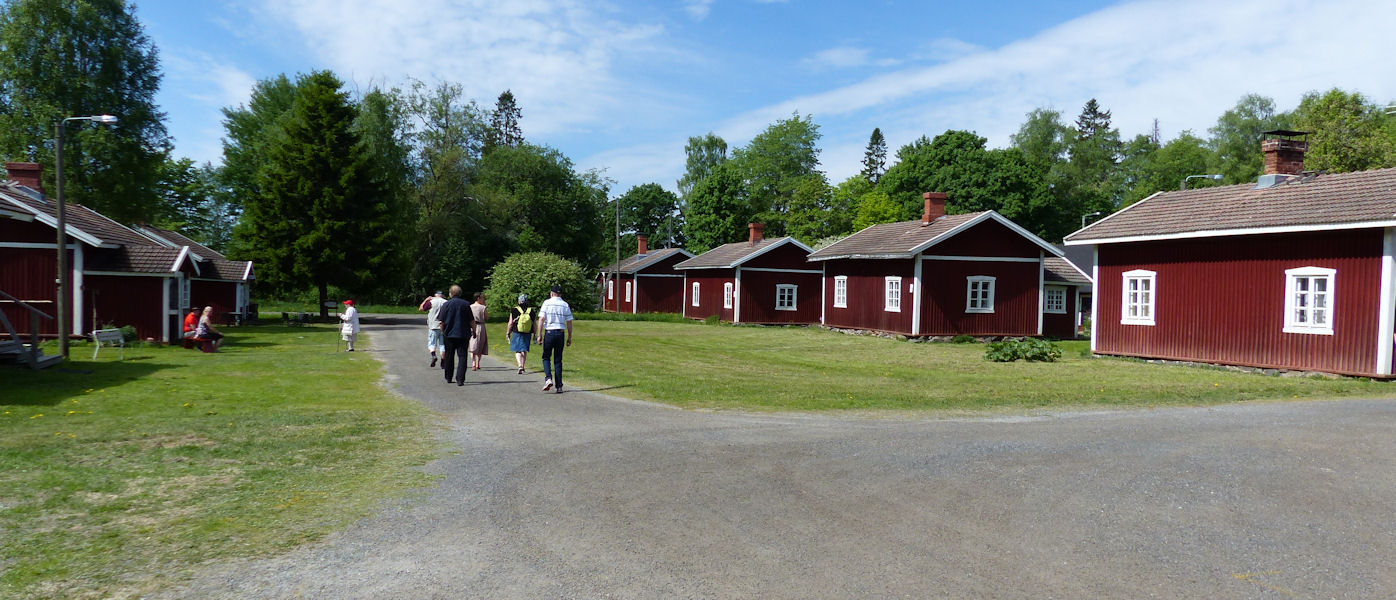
(135, 259)
(638, 262)
(731, 255)
(1317, 202)
(77, 216)
(1061, 270)
(177, 239)
(891, 238)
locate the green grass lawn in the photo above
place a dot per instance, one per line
(117, 476)
(797, 368)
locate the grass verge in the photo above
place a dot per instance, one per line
(810, 369)
(116, 476)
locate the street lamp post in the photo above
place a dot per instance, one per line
(1083, 218)
(64, 277)
(1184, 185)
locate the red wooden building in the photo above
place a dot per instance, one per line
(224, 284)
(764, 281)
(118, 275)
(644, 283)
(972, 274)
(1066, 290)
(1297, 271)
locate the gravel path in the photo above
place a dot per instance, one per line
(582, 495)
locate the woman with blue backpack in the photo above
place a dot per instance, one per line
(522, 319)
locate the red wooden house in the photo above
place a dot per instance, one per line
(224, 284)
(1066, 289)
(118, 276)
(1297, 271)
(972, 274)
(644, 283)
(760, 280)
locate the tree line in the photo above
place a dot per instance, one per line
(388, 193)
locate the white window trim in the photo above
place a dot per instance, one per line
(1291, 276)
(1152, 304)
(1047, 299)
(627, 291)
(841, 291)
(891, 283)
(695, 294)
(610, 289)
(989, 297)
(794, 297)
(727, 295)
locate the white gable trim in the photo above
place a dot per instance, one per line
(783, 241)
(44, 218)
(980, 219)
(1235, 232)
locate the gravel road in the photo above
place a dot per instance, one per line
(583, 495)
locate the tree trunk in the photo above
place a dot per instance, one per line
(324, 298)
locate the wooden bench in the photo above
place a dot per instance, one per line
(204, 345)
(110, 337)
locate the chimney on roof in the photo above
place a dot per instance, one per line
(935, 207)
(1284, 156)
(644, 242)
(27, 174)
(754, 232)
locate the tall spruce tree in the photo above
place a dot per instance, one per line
(323, 217)
(504, 122)
(875, 157)
(63, 58)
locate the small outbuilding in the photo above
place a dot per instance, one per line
(762, 281)
(1296, 271)
(969, 274)
(224, 284)
(646, 282)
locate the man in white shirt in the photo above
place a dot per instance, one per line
(435, 343)
(554, 318)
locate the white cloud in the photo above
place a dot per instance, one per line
(698, 9)
(841, 57)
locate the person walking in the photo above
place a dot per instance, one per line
(554, 318)
(457, 324)
(435, 343)
(349, 329)
(480, 342)
(520, 330)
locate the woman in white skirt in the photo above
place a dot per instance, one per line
(350, 329)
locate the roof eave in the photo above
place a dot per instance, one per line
(1235, 232)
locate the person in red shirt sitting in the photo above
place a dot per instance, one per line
(191, 323)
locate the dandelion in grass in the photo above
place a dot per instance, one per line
(38, 416)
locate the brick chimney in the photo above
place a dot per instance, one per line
(644, 242)
(1283, 157)
(754, 232)
(27, 174)
(935, 207)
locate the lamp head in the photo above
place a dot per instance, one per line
(104, 119)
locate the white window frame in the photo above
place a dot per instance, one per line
(695, 294)
(794, 290)
(610, 289)
(627, 291)
(984, 305)
(727, 295)
(841, 291)
(1306, 301)
(1051, 303)
(1146, 300)
(892, 294)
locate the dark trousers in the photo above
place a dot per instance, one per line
(456, 348)
(554, 340)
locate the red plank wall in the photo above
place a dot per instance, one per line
(1222, 300)
(710, 293)
(946, 286)
(867, 294)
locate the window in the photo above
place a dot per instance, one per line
(727, 295)
(785, 296)
(627, 291)
(893, 301)
(610, 289)
(695, 293)
(1309, 300)
(1055, 302)
(1137, 306)
(979, 295)
(841, 291)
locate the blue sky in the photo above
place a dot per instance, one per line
(620, 85)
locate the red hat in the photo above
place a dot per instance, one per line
(349, 302)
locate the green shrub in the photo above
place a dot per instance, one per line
(712, 320)
(1032, 350)
(963, 339)
(533, 273)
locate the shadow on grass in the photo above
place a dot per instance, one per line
(48, 387)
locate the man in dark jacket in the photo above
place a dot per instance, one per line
(457, 325)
